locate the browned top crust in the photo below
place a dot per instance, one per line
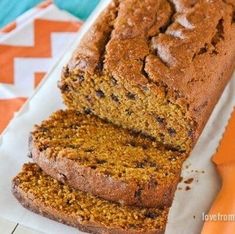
(187, 46)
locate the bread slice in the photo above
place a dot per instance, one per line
(42, 194)
(154, 66)
(97, 157)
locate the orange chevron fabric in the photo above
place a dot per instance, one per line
(42, 47)
(7, 109)
(38, 76)
(37, 54)
(44, 4)
(8, 28)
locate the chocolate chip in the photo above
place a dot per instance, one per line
(77, 113)
(152, 164)
(66, 71)
(145, 88)
(131, 225)
(153, 183)
(80, 79)
(74, 126)
(63, 87)
(88, 98)
(101, 161)
(131, 96)
(93, 167)
(177, 148)
(188, 181)
(67, 201)
(129, 112)
(144, 146)
(43, 147)
(190, 133)
(113, 81)
(100, 66)
(132, 143)
(135, 144)
(215, 52)
(87, 111)
(160, 119)
(140, 164)
(138, 193)
(44, 129)
(150, 215)
(171, 131)
(100, 93)
(162, 137)
(89, 150)
(107, 173)
(119, 174)
(187, 188)
(85, 159)
(62, 177)
(115, 98)
(70, 146)
(203, 50)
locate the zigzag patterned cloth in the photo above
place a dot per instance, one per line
(29, 47)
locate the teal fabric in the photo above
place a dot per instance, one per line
(10, 9)
(79, 8)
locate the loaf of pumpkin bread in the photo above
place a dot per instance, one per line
(44, 195)
(155, 66)
(96, 157)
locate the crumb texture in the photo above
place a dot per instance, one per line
(59, 200)
(105, 148)
(82, 145)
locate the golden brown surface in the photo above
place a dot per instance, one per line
(45, 195)
(158, 67)
(69, 145)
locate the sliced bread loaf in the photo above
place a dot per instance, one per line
(44, 195)
(155, 66)
(97, 157)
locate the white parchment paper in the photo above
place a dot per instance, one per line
(186, 213)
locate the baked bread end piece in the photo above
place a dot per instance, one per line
(44, 195)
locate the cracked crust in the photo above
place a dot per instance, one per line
(30, 199)
(186, 47)
(65, 161)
